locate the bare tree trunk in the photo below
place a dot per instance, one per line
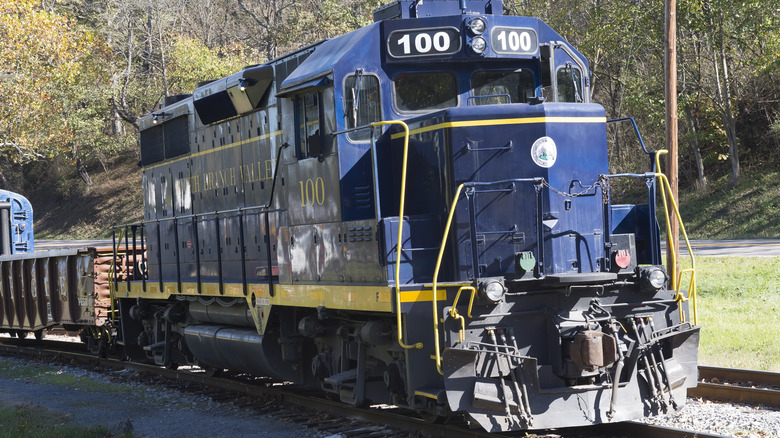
(3, 181)
(149, 47)
(692, 125)
(80, 167)
(163, 66)
(724, 101)
(729, 123)
(120, 105)
(103, 161)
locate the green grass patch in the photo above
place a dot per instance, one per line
(28, 420)
(46, 374)
(748, 211)
(739, 309)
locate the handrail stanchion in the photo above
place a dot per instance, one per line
(127, 258)
(144, 273)
(159, 252)
(219, 253)
(676, 282)
(436, 276)
(399, 243)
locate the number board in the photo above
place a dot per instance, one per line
(513, 40)
(435, 41)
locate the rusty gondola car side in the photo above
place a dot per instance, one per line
(45, 289)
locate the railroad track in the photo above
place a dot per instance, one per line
(384, 421)
(737, 385)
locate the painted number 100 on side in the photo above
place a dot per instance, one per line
(312, 191)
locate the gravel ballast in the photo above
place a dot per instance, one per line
(739, 420)
(120, 402)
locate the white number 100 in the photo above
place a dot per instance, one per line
(517, 41)
(423, 42)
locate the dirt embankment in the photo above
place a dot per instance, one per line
(64, 207)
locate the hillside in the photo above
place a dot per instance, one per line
(747, 211)
(70, 210)
(65, 208)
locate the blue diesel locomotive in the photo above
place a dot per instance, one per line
(417, 213)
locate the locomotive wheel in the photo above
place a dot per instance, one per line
(172, 366)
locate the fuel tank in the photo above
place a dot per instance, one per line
(238, 348)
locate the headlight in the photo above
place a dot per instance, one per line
(652, 278)
(493, 290)
(478, 45)
(477, 26)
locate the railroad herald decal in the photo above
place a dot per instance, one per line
(544, 152)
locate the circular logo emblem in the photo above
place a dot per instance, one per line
(544, 152)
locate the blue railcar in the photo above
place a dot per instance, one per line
(418, 213)
(16, 224)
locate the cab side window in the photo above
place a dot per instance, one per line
(361, 105)
(569, 84)
(307, 118)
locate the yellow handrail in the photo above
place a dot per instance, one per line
(436, 277)
(399, 243)
(676, 281)
(111, 284)
(454, 311)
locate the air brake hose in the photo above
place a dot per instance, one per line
(615, 380)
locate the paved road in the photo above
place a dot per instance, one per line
(740, 248)
(48, 245)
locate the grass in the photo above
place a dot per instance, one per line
(49, 375)
(748, 211)
(739, 309)
(33, 421)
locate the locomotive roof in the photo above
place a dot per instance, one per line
(325, 57)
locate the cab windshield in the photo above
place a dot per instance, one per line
(489, 87)
(425, 91)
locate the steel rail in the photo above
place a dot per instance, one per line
(285, 393)
(766, 378)
(731, 386)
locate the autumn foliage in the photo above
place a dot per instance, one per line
(75, 75)
(49, 67)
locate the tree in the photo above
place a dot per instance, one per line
(280, 26)
(52, 79)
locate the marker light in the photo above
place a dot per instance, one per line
(477, 26)
(478, 45)
(622, 259)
